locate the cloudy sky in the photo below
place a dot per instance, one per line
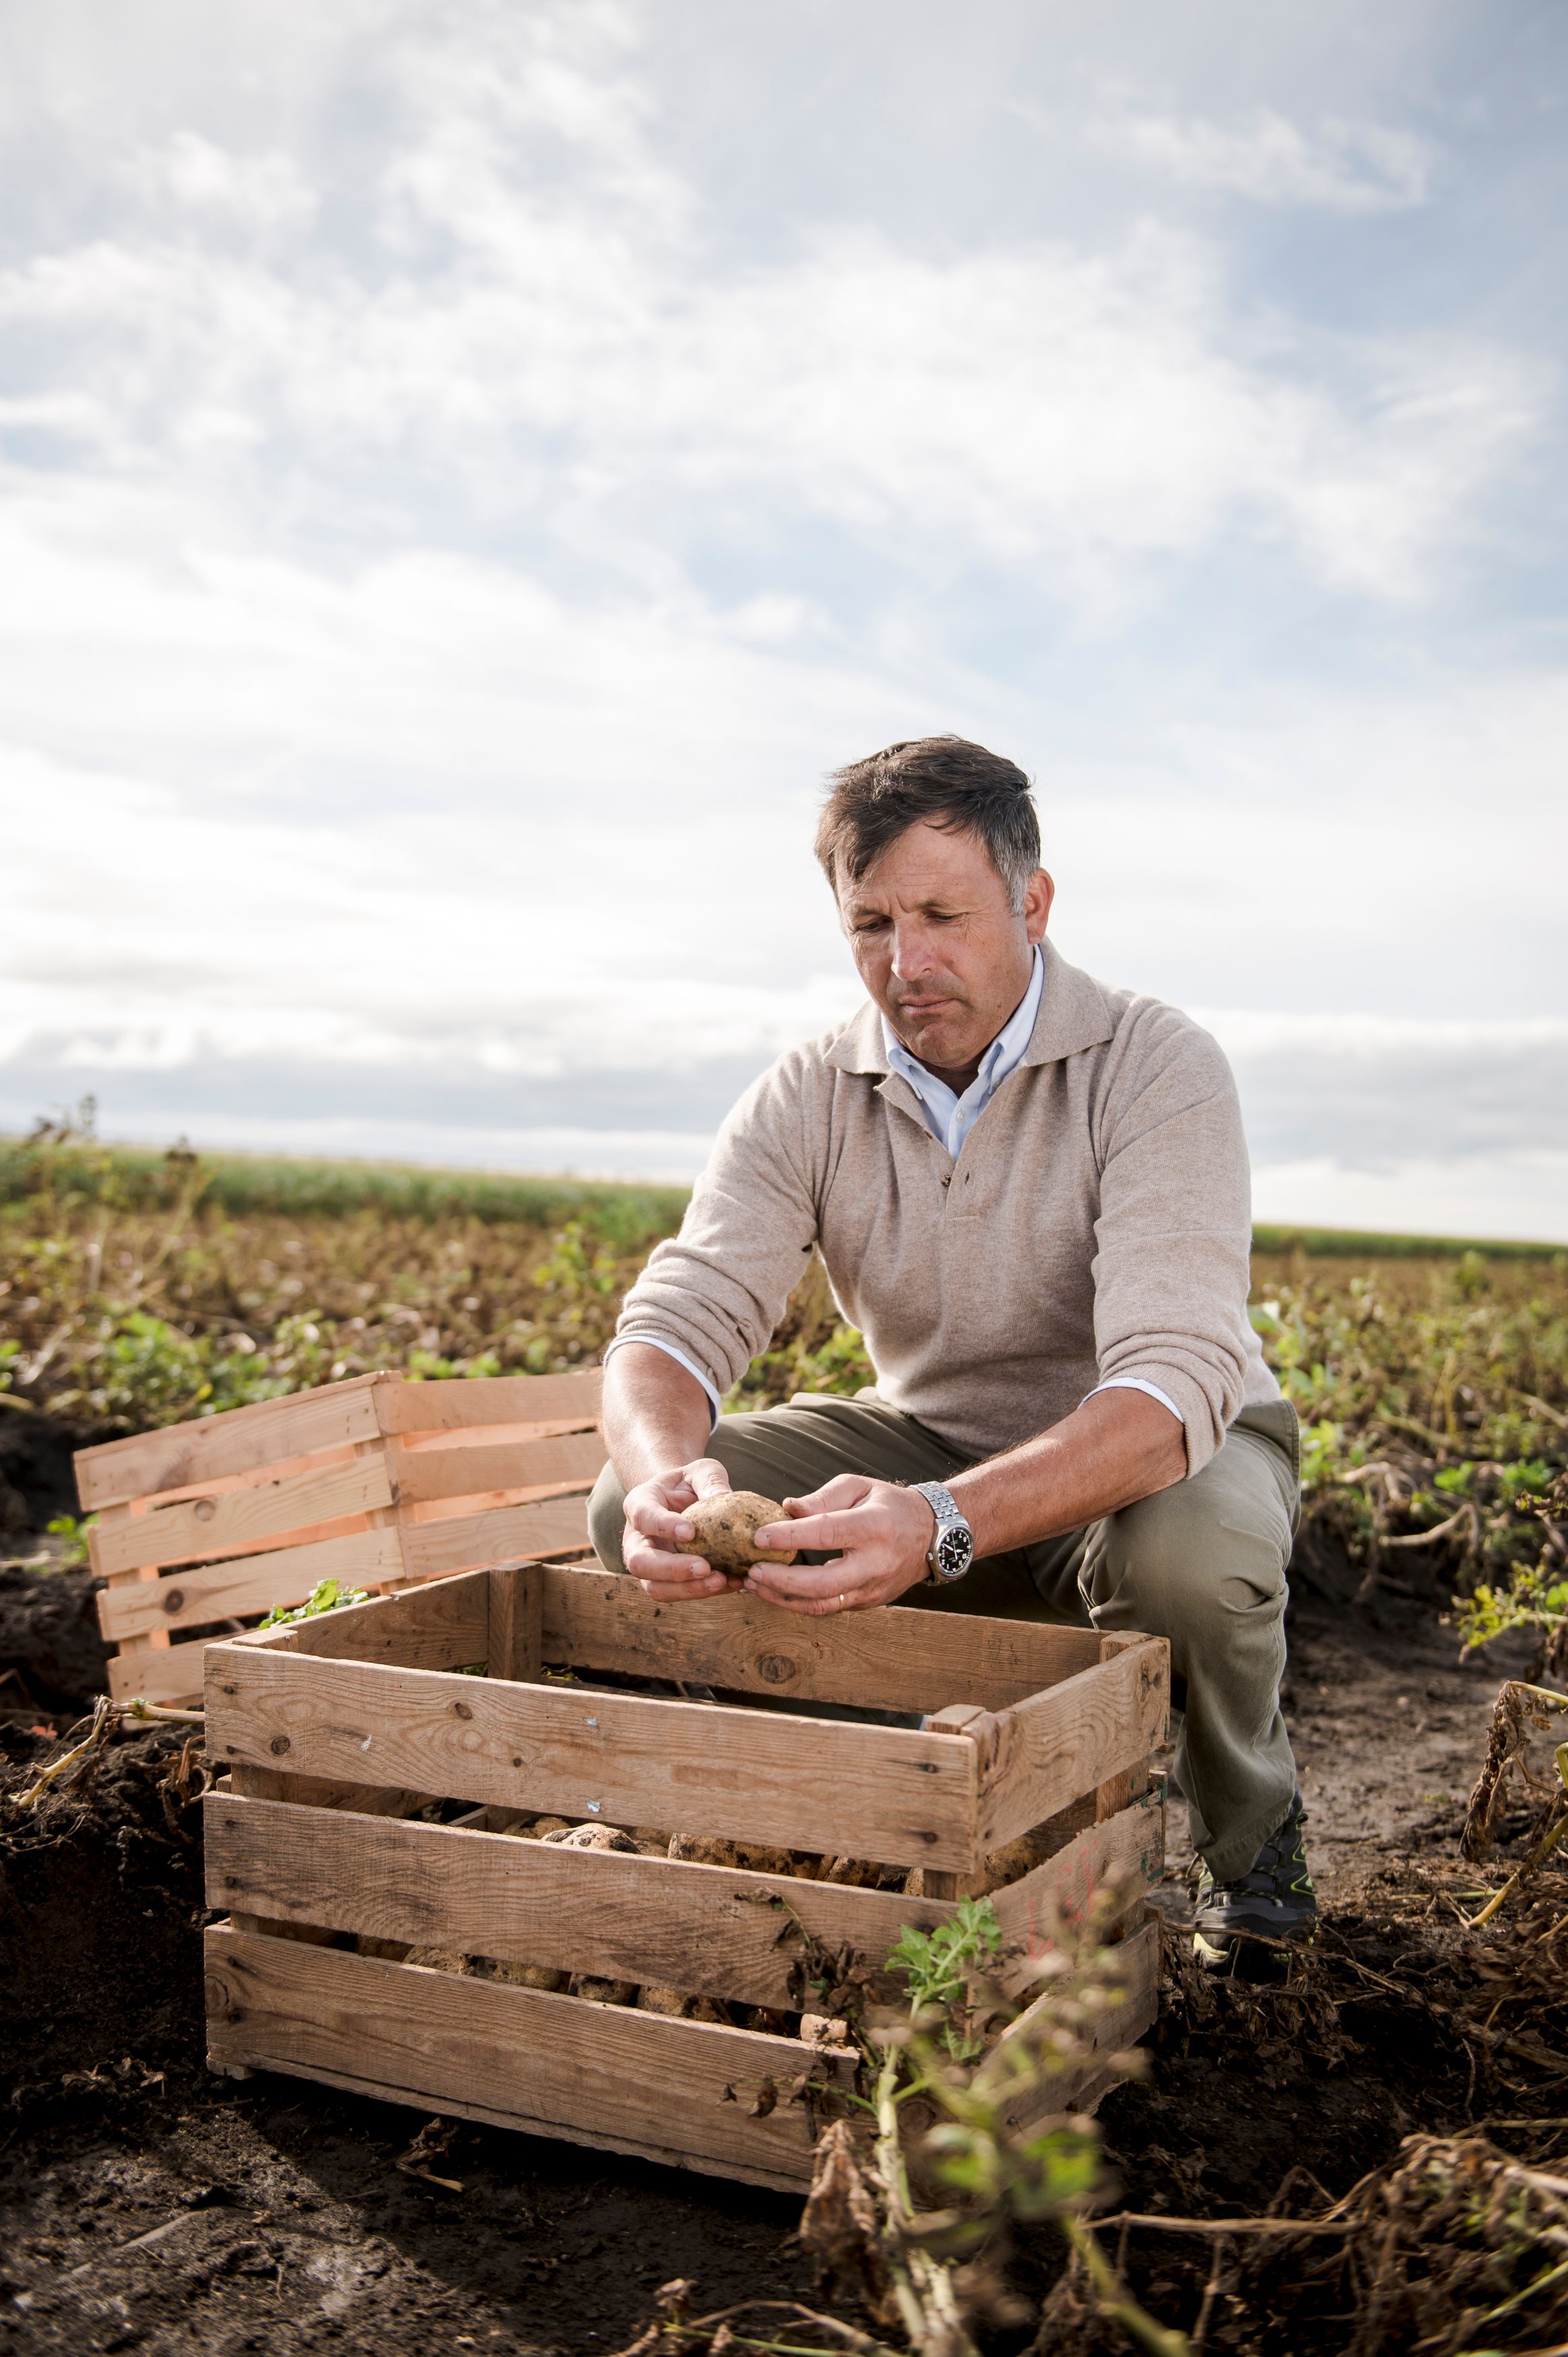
(467, 467)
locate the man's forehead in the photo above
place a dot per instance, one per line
(924, 863)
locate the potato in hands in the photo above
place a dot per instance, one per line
(726, 1529)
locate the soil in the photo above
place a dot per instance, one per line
(149, 2206)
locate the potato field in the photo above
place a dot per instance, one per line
(1362, 2148)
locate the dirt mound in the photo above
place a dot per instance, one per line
(99, 1956)
(36, 1478)
(148, 2205)
(52, 1659)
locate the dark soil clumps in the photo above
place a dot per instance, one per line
(52, 1659)
(148, 2205)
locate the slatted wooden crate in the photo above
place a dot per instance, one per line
(375, 1483)
(335, 1731)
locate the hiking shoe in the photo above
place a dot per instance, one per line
(1272, 1900)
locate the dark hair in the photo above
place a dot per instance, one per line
(945, 781)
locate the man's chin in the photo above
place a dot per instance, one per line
(937, 1043)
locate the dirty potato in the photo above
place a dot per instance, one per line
(725, 1529)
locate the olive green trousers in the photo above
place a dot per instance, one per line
(1202, 1563)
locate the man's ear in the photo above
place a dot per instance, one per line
(1038, 898)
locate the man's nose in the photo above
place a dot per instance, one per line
(913, 957)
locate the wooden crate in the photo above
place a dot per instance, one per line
(375, 1483)
(334, 1731)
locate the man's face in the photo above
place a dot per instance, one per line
(938, 947)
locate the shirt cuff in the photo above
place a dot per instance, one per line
(682, 1360)
(1115, 1383)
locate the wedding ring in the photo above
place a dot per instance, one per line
(841, 1603)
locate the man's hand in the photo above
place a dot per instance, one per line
(655, 1533)
(879, 1535)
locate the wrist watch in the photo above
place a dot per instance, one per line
(951, 1550)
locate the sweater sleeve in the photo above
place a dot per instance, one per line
(1174, 1236)
(717, 1291)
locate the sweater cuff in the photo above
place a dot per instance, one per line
(681, 1360)
(1135, 1383)
(1203, 1423)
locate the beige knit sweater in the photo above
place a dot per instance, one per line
(1097, 1223)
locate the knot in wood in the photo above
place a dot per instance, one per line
(205, 1509)
(173, 1600)
(776, 1668)
(278, 1746)
(463, 1709)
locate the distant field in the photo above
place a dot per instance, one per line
(146, 1178)
(1431, 1373)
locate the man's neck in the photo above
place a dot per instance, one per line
(960, 1077)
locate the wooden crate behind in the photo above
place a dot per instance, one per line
(336, 1730)
(374, 1483)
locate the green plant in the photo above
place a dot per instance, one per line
(72, 1536)
(940, 1968)
(326, 1596)
(1002, 2151)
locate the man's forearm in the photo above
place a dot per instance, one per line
(1119, 1445)
(656, 1416)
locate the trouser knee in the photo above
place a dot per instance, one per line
(1188, 1568)
(606, 1519)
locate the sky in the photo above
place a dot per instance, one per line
(468, 469)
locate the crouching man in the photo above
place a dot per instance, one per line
(1031, 1194)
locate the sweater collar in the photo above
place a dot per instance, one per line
(1073, 1016)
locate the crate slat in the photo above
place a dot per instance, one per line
(1132, 1843)
(677, 2091)
(445, 1626)
(503, 1533)
(240, 1441)
(907, 1799)
(1043, 1754)
(1138, 1962)
(253, 1583)
(211, 1527)
(711, 1930)
(896, 1658)
(491, 1399)
(424, 1475)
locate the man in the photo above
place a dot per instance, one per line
(1031, 1193)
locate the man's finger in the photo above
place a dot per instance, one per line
(665, 1591)
(709, 1479)
(780, 1581)
(645, 1561)
(843, 1490)
(658, 1522)
(821, 1534)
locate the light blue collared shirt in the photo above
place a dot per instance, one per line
(949, 1118)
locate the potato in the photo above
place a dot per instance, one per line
(725, 1528)
(602, 1992)
(654, 1999)
(516, 1976)
(710, 1849)
(593, 1837)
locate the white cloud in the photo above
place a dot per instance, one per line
(1344, 167)
(534, 320)
(262, 191)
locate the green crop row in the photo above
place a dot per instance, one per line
(140, 1290)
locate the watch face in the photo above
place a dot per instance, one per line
(954, 1552)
